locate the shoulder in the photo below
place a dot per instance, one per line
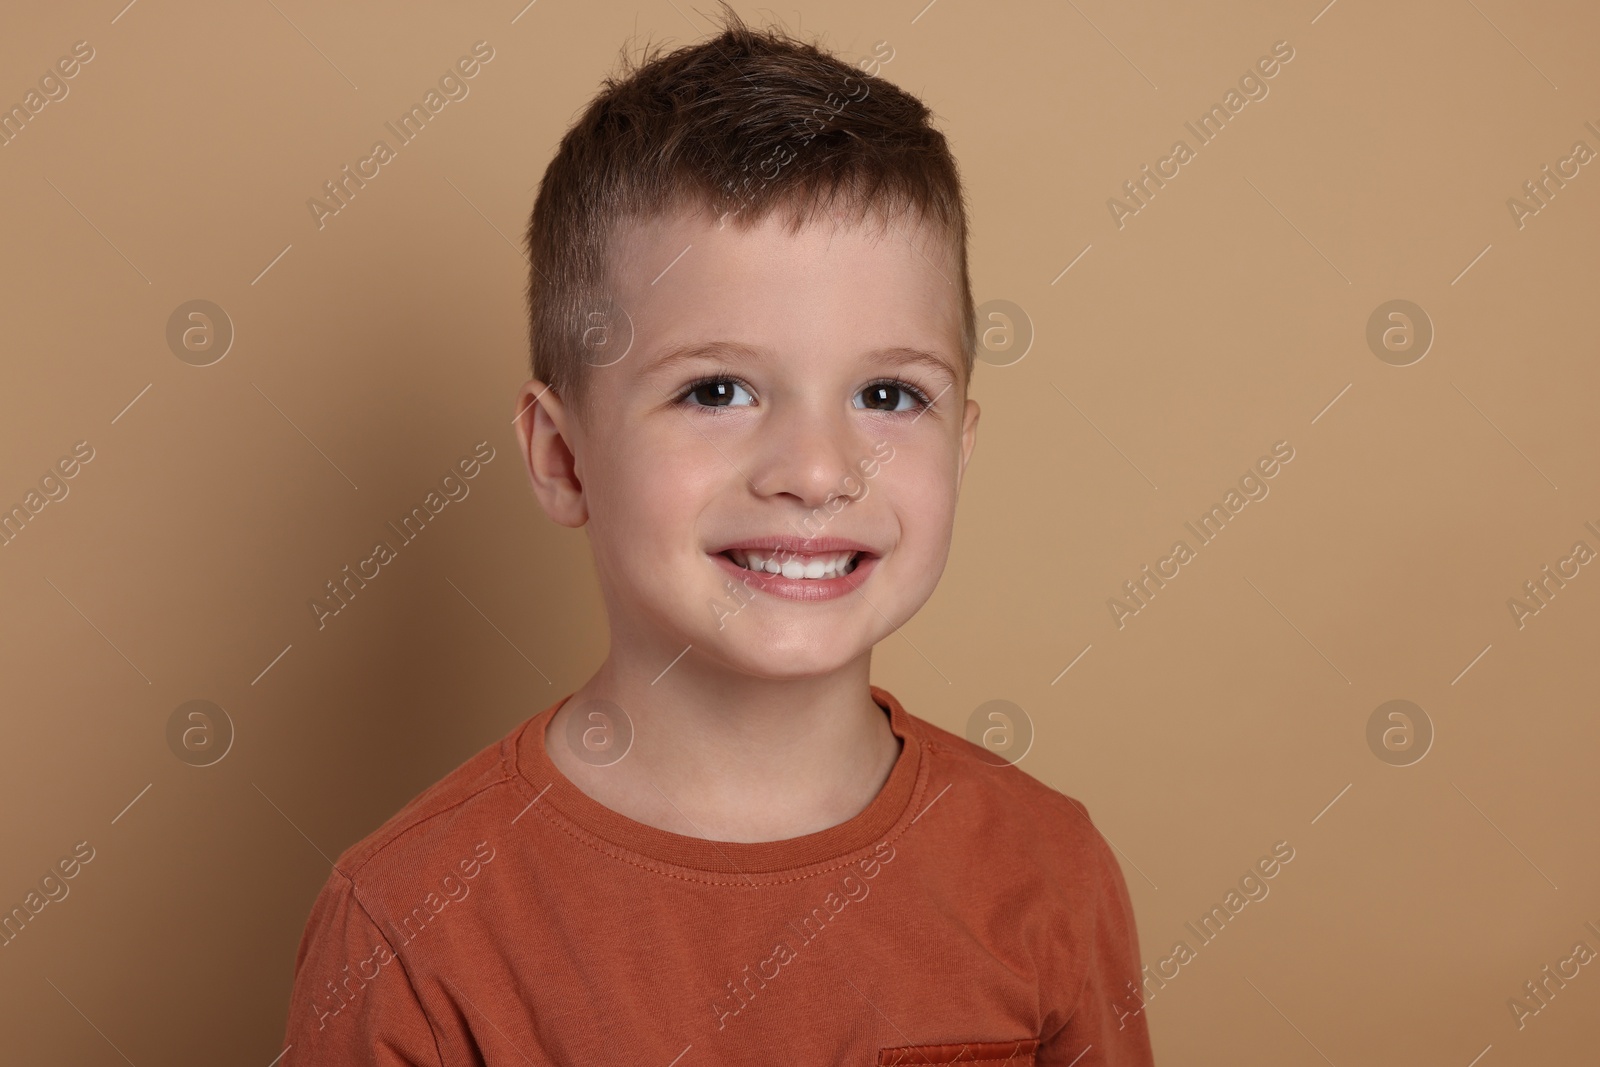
(1009, 806)
(446, 831)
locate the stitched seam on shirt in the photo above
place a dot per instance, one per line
(1024, 1051)
(419, 823)
(1023, 1058)
(607, 848)
(405, 970)
(614, 852)
(1101, 853)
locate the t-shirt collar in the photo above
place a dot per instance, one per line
(564, 801)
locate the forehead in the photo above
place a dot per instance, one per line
(831, 286)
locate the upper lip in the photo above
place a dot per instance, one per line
(815, 546)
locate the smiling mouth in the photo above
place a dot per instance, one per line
(821, 565)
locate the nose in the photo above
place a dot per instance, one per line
(806, 453)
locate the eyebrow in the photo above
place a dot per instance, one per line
(736, 352)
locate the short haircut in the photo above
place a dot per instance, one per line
(726, 126)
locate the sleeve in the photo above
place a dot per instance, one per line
(353, 1002)
(1107, 1027)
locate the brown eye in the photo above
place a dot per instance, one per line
(882, 397)
(715, 393)
(891, 396)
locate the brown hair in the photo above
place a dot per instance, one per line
(740, 125)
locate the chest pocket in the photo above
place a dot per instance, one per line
(985, 1053)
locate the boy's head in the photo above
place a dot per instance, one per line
(752, 332)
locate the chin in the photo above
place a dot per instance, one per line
(774, 660)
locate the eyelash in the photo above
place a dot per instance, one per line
(922, 398)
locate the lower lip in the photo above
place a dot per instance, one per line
(799, 588)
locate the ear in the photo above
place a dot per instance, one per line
(969, 437)
(544, 425)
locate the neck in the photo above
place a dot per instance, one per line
(730, 757)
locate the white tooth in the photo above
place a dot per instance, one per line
(791, 565)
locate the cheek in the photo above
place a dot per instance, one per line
(644, 502)
(935, 465)
(918, 485)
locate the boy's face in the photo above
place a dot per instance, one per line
(808, 425)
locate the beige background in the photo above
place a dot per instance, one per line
(1229, 314)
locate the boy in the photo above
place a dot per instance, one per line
(752, 339)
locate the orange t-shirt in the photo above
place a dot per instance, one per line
(970, 914)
